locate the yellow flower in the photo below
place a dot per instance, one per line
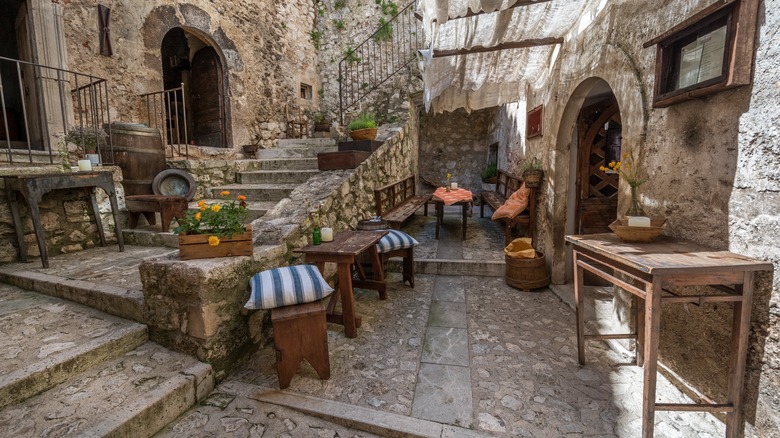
(215, 208)
(449, 175)
(224, 193)
(197, 216)
(241, 198)
(203, 208)
(213, 240)
(201, 203)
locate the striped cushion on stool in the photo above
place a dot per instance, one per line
(287, 286)
(394, 240)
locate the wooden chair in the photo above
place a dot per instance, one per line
(296, 123)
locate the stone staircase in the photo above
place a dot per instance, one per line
(270, 178)
(68, 369)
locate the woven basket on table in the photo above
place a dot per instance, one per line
(533, 177)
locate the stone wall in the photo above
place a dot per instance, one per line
(264, 47)
(66, 217)
(358, 19)
(196, 306)
(456, 142)
(715, 173)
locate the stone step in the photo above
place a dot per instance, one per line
(276, 176)
(304, 142)
(256, 192)
(293, 152)
(283, 164)
(150, 236)
(48, 340)
(136, 394)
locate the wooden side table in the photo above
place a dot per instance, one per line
(344, 250)
(33, 187)
(646, 270)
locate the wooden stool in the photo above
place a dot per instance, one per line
(147, 205)
(300, 333)
(408, 266)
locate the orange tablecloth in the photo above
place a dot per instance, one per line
(452, 196)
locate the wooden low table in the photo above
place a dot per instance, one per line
(344, 251)
(169, 207)
(33, 187)
(442, 197)
(646, 270)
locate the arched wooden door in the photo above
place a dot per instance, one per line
(208, 100)
(599, 136)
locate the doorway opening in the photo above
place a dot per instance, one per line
(191, 61)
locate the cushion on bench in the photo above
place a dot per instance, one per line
(513, 206)
(286, 286)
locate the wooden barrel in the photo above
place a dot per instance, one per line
(527, 274)
(372, 225)
(139, 152)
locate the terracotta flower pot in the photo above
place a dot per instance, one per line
(363, 134)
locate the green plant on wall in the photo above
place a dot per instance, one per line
(338, 4)
(339, 25)
(350, 56)
(316, 38)
(385, 30)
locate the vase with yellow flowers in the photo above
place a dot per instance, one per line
(629, 169)
(215, 229)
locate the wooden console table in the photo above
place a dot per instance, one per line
(646, 270)
(344, 251)
(33, 187)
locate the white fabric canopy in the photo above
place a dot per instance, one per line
(480, 80)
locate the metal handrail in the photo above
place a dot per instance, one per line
(90, 101)
(165, 117)
(378, 60)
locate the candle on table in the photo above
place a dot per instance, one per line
(454, 185)
(638, 221)
(85, 165)
(327, 234)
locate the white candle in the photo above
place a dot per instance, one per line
(454, 185)
(327, 234)
(85, 165)
(638, 221)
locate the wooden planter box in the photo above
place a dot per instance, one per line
(341, 160)
(196, 246)
(362, 145)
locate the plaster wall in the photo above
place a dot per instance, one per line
(265, 48)
(715, 173)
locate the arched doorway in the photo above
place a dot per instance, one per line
(192, 61)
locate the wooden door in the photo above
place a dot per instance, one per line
(597, 190)
(208, 103)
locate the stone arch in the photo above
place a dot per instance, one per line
(195, 23)
(612, 65)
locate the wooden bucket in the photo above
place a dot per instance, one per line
(139, 152)
(527, 274)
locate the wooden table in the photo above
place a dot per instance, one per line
(646, 270)
(344, 251)
(33, 187)
(461, 197)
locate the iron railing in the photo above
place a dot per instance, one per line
(388, 50)
(41, 105)
(167, 111)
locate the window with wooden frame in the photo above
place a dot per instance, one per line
(709, 52)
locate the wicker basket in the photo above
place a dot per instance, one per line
(533, 177)
(637, 234)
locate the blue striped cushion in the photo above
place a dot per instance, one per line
(395, 239)
(287, 286)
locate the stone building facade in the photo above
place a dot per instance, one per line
(713, 167)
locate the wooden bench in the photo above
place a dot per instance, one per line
(507, 184)
(169, 207)
(397, 202)
(300, 333)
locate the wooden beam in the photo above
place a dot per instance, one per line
(470, 13)
(503, 46)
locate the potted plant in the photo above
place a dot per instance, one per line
(532, 172)
(89, 140)
(489, 174)
(215, 230)
(321, 123)
(363, 127)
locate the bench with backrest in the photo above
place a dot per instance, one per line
(506, 184)
(398, 201)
